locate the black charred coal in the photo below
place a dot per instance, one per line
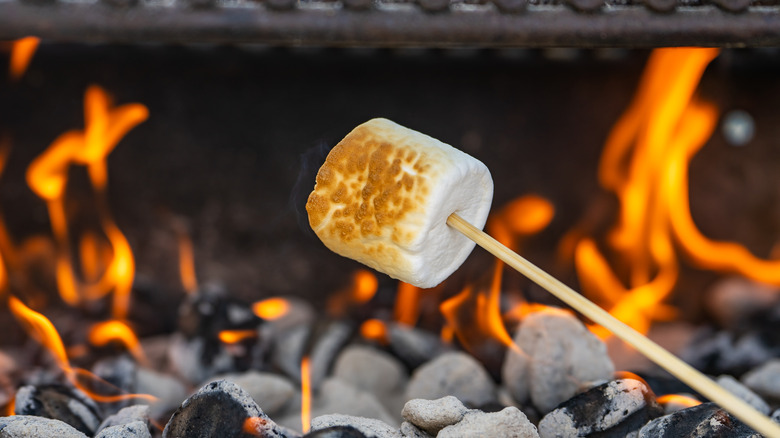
(221, 409)
(614, 409)
(336, 432)
(705, 420)
(59, 402)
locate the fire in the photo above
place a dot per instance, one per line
(305, 394)
(236, 336)
(42, 330)
(374, 330)
(475, 315)
(47, 176)
(271, 308)
(22, 51)
(187, 263)
(407, 304)
(104, 333)
(644, 162)
(677, 399)
(363, 287)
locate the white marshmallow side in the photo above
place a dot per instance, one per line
(413, 244)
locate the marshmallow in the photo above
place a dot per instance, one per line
(383, 197)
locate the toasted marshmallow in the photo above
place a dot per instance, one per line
(383, 197)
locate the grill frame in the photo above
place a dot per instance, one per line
(426, 23)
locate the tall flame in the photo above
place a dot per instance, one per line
(187, 263)
(117, 331)
(305, 394)
(47, 176)
(644, 162)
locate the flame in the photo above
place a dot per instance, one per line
(42, 330)
(187, 263)
(363, 287)
(236, 336)
(523, 309)
(523, 216)
(47, 176)
(407, 304)
(644, 160)
(106, 332)
(678, 399)
(305, 394)
(271, 308)
(10, 408)
(374, 330)
(22, 51)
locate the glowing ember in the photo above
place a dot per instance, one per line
(22, 51)
(9, 408)
(305, 394)
(676, 399)
(374, 330)
(104, 333)
(236, 336)
(271, 308)
(47, 176)
(644, 157)
(252, 424)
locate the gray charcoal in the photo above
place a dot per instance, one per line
(706, 420)
(509, 422)
(336, 432)
(409, 430)
(456, 374)
(272, 392)
(299, 313)
(127, 415)
(136, 429)
(338, 396)
(558, 357)
(434, 415)
(414, 346)
(619, 407)
(765, 380)
(59, 403)
(220, 409)
(368, 426)
(776, 416)
(733, 300)
(371, 370)
(167, 389)
(743, 392)
(26, 426)
(288, 350)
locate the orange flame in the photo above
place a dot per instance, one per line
(374, 330)
(10, 407)
(271, 308)
(47, 176)
(677, 399)
(236, 336)
(22, 51)
(305, 394)
(42, 330)
(117, 331)
(187, 263)
(363, 288)
(644, 156)
(407, 304)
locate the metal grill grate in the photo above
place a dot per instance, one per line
(427, 23)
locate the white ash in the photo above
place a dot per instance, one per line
(28, 426)
(735, 387)
(765, 380)
(127, 415)
(370, 369)
(733, 300)
(336, 396)
(434, 415)
(272, 392)
(607, 407)
(136, 429)
(702, 421)
(220, 409)
(368, 426)
(509, 422)
(414, 346)
(409, 430)
(558, 357)
(453, 373)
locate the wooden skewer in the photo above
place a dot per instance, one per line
(666, 360)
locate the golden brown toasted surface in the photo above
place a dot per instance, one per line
(366, 186)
